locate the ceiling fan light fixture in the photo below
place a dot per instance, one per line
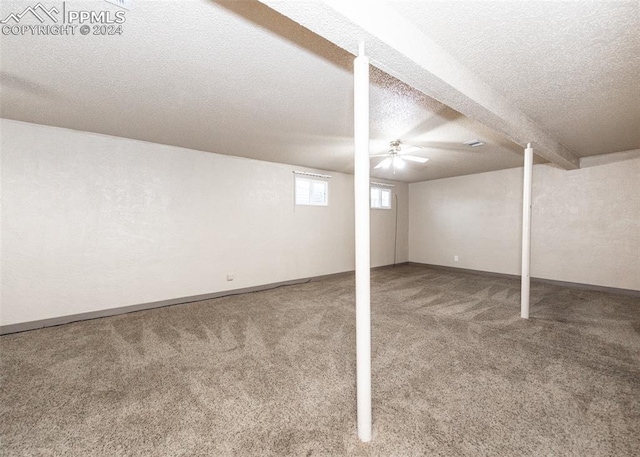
(396, 157)
(398, 163)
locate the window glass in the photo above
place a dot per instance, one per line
(311, 192)
(380, 198)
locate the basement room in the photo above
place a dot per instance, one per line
(320, 228)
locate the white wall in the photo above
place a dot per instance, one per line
(92, 222)
(383, 228)
(585, 223)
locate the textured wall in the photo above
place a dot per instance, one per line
(93, 222)
(585, 223)
(476, 217)
(383, 228)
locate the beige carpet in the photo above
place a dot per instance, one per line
(456, 372)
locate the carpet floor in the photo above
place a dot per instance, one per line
(456, 372)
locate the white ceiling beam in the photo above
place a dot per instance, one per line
(612, 157)
(399, 48)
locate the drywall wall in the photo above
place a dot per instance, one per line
(92, 222)
(386, 248)
(476, 217)
(585, 223)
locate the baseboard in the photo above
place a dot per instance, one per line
(465, 270)
(574, 285)
(54, 321)
(381, 267)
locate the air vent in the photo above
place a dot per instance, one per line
(473, 143)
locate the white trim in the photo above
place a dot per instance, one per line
(315, 175)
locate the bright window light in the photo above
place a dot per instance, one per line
(312, 192)
(380, 198)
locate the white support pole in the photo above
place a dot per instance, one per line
(526, 232)
(363, 263)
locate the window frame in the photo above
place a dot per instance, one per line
(311, 181)
(381, 189)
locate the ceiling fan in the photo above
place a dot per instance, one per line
(397, 154)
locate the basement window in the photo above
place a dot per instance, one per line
(380, 198)
(312, 192)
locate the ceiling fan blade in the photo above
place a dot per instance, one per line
(409, 148)
(450, 146)
(386, 154)
(415, 159)
(386, 163)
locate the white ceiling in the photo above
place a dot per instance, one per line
(238, 78)
(572, 66)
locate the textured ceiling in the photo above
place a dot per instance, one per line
(572, 66)
(238, 78)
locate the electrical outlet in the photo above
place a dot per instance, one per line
(455, 258)
(229, 277)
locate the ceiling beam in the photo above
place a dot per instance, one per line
(612, 157)
(399, 48)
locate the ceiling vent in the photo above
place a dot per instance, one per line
(473, 143)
